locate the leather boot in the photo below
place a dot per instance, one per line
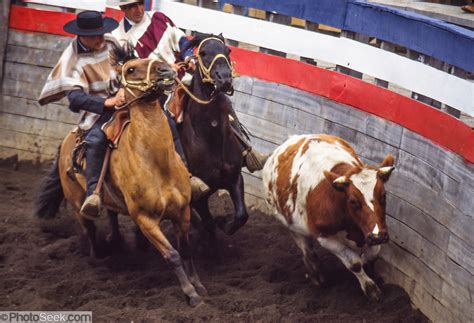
(96, 145)
(91, 207)
(252, 158)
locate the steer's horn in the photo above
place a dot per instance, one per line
(340, 183)
(384, 172)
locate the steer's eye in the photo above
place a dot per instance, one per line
(130, 70)
(354, 203)
(383, 198)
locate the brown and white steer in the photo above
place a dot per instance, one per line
(319, 188)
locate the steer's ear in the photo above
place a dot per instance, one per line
(340, 183)
(386, 168)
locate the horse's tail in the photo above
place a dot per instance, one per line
(51, 193)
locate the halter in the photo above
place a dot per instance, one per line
(206, 71)
(142, 85)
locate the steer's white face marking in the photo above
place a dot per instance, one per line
(375, 231)
(365, 182)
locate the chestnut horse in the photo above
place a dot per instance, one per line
(212, 149)
(147, 178)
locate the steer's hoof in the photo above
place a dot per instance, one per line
(195, 301)
(201, 290)
(373, 292)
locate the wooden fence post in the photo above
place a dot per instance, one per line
(4, 13)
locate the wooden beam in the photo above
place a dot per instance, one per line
(4, 13)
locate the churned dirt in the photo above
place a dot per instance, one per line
(255, 275)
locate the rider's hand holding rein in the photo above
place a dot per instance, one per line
(116, 101)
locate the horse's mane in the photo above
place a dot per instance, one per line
(119, 55)
(197, 39)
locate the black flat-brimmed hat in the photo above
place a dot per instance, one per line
(90, 23)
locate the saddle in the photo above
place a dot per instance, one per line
(113, 129)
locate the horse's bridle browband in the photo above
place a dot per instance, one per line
(206, 71)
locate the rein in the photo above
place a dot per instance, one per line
(191, 94)
(205, 73)
(126, 105)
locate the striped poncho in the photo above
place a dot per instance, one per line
(154, 37)
(90, 71)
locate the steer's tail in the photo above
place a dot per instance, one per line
(50, 193)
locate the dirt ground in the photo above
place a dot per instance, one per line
(257, 275)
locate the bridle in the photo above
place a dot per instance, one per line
(205, 72)
(146, 86)
(142, 85)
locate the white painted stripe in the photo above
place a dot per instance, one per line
(98, 5)
(369, 60)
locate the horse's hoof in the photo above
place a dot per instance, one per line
(230, 226)
(195, 301)
(372, 291)
(201, 290)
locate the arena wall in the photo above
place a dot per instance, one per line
(430, 195)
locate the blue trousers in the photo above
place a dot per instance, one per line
(96, 144)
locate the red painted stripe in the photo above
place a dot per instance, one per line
(433, 124)
(437, 126)
(50, 22)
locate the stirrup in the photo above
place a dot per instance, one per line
(91, 207)
(255, 160)
(198, 188)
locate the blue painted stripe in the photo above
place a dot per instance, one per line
(148, 4)
(441, 40)
(433, 37)
(328, 12)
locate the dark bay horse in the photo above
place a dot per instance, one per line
(214, 153)
(146, 176)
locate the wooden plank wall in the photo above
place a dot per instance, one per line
(28, 130)
(430, 205)
(4, 12)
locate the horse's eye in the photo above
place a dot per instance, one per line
(130, 70)
(202, 53)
